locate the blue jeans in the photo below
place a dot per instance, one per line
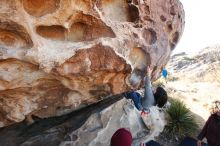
(136, 98)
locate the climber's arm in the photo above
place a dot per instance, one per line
(148, 99)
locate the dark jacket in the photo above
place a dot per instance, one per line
(211, 131)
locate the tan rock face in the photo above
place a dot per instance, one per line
(58, 56)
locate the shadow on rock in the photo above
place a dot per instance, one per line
(55, 129)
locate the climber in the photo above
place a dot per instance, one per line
(211, 130)
(159, 98)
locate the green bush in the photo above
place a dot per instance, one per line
(180, 122)
(159, 83)
(188, 58)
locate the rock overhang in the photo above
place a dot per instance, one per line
(80, 51)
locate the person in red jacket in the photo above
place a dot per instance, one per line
(211, 130)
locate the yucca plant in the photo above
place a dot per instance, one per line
(180, 122)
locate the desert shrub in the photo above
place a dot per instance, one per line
(159, 83)
(180, 121)
(188, 58)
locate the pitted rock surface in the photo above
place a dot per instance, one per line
(58, 56)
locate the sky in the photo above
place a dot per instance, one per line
(202, 25)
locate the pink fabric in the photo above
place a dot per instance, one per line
(121, 137)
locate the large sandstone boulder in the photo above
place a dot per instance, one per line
(60, 55)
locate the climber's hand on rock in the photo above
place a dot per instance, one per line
(149, 71)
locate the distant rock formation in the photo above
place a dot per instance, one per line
(58, 56)
(206, 59)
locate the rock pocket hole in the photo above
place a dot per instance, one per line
(88, 28)
(78, 32)
(175, 37)
(74, 137)
(172, 10)
(133, 13)
(163, 18)
(14, 35)
(172, 45)
(150, 36)
(81, 31)
(174, 40)
(147, 9)
(169, 27)
(40, 7)
(54, 32)
(139, 58)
